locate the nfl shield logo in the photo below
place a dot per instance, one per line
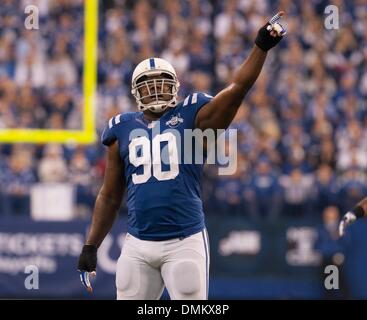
(174, 121)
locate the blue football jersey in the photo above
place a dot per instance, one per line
(163, 187)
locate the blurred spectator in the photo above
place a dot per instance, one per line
(52, 166)
(81, 175)
(352, 145)
(353, 187)
(266, 192)
(230, 191)
(325, 189)
(18, 178)
(323, 153)
(297, 188)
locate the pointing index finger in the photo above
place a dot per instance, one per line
(277, 17)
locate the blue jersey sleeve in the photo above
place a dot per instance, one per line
(198, 100)
(109, 135)
(193, 103)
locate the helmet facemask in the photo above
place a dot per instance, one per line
(155, 94)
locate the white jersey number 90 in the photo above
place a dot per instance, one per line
(148, 160)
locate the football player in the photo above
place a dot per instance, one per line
(166, 243)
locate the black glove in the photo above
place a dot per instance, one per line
(264, 40)
(87, 264)
(88, 258)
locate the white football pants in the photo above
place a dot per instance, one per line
(145, 267)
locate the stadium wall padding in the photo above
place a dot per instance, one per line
(264, 260)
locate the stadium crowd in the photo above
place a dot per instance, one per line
(302, 130)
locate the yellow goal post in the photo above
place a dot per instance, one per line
(87, 134)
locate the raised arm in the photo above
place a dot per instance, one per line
(220, 111)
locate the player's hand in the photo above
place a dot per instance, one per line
(271, 33)
(347, 220)
(87, 265)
